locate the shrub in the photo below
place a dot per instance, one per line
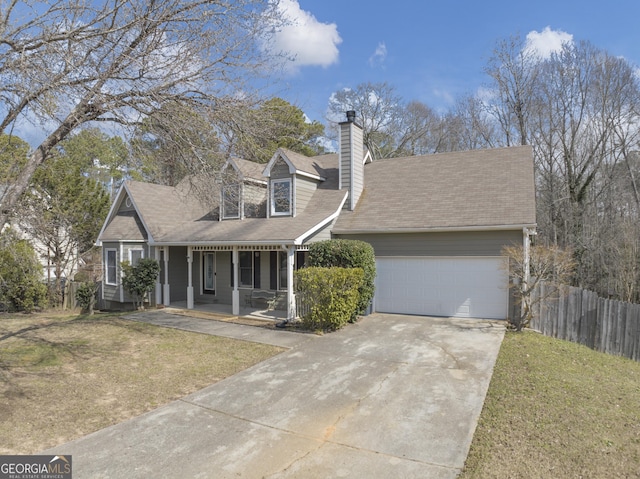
(344, 253)
(335, 295)
(140, 279)
(86, 296)
(21, 287)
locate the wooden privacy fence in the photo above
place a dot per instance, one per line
(580, 316)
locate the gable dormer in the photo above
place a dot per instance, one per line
(243, 190)
(292, 179)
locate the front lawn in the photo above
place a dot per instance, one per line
(557, 409)
(62, 377)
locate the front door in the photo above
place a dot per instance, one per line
(209, 273)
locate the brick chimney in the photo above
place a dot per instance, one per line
(351, 153)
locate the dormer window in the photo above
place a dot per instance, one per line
(281, 197)
(231, 201)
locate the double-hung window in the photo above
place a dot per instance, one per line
(231, 201)
(111, 268)
(135, 255)
(281, 198)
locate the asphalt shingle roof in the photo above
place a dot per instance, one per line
(478, 188)
(472, 189)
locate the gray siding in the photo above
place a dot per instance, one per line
(323, 234)
(111, 293)
(351, 151)
(123, 206)
(474, 243)
(280, 169)
(178, 269)
(223, 277)
(304, 189)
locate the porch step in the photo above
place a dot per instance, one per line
(222, 317)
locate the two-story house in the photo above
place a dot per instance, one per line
(437, 224)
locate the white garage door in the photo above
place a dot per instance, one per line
(460, 287)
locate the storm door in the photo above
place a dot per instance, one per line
(209, 273)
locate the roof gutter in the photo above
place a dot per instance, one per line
(516, 227)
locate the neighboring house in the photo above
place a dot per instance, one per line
(437, 224)
(45, 254)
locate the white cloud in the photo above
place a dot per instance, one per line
(379, 56)
(547, 41)
(308, 41)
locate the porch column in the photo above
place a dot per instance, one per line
(158, 279)
(291, 299)
(235, 294)
(190, 279)
(166, 289)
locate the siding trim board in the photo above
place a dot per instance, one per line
(448, 229)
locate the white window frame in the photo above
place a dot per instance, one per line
(115, 266)
(131, 255)
(238, 193)
(273, 197)
(205, 263)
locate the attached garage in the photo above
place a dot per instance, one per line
(468, 287)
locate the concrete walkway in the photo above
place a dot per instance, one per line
(389, 396)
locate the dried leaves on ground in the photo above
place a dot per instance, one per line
(558, 409)
(62, 377)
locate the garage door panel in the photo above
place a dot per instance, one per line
(461, 286)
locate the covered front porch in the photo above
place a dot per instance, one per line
(223, 278)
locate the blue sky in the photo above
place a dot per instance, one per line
(430, 51)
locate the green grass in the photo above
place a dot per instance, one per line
(555, 409)
(62, 377)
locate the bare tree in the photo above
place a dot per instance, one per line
(543, 263)
(468, 127)
(68, 62)
(379, 111)
(514, 73)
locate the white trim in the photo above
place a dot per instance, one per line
(224, 215)
(106, 269)
(272, 199)
(203, 265)
(434, 230)
(300, 239)
(135, 249)
(124, 189)
(292, 168)
(243, 178)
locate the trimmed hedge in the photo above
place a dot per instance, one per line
(345, 253)
(334, 292)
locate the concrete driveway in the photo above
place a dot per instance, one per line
(390, 396)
